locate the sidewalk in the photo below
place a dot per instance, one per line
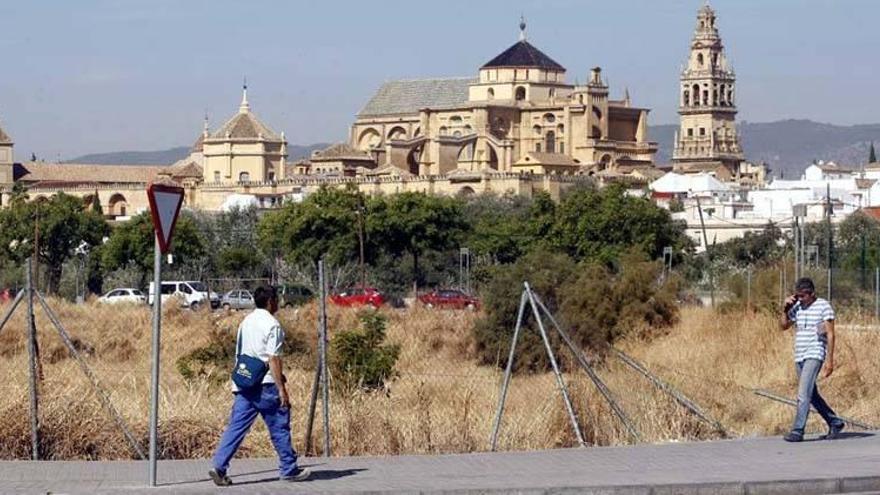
(761, 465)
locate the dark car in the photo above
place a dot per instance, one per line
(449, 299)
(294, 295)
(358, 296)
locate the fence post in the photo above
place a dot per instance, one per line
(877, 292)
(32, 362)
(325, 390)
(749, 288)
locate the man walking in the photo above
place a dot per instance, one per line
(813, 318)
(260, 336)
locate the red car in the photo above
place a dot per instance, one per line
(450, 299)
(358, 296)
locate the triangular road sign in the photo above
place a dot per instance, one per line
(165, 202)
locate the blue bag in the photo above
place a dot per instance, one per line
(249, 371)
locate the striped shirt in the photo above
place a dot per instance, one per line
(810, 338)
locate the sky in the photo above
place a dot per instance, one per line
(104, 75)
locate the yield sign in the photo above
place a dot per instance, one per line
(165, 204)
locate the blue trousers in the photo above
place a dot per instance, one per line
(808, 393)
(266, 402)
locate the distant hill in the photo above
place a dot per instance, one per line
(789, 146)
(169, 156)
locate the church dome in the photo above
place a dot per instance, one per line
(523, 55)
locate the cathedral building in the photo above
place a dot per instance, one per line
(518, 115)
(518, 127)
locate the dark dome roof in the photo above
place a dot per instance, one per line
(523, 54)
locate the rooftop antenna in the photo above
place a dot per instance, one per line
(522, 28)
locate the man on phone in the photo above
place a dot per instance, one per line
(260, 336)
(813, 318)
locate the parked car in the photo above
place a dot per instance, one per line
(191, 294)
(124, 295)
(238, 299)
(294, 295)
(449, 299)
(358, 296)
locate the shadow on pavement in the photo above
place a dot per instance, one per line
(324, 474)
(847, 435)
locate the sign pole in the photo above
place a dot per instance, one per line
(157, 326)
(165, 203)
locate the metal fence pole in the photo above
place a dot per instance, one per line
(493, 442)
(559, 380)
(11, 309)
(32, 363)
(749, 288)
(325, 386)
(877, 292)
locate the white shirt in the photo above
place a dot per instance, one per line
(811, 339)
(261, 337)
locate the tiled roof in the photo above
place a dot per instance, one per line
(34, 172)
(199, 145)
(523, 54)
(408, 97)
(340, 151)
(540, 158)
(245, 125)
(189, 169)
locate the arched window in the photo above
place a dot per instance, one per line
(597, 113)
(560, 129)
(686, 98)
(490, 94)
(244, 177)
(271, 176)
(552, 92)
(723, 95)
(538, 146)
(700, 59)
(695, 95)
(705, 97)
(443, 130)
(549, 118)
(216, 176)
(537, 130)
(520, 93)
(455, 120)
(550, 140)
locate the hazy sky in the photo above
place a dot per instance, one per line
(99, 75)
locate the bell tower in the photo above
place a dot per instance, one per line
(707, 102)
(6, 159)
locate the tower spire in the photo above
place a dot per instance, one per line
(522, 28)
(205, 129)
(245, 107)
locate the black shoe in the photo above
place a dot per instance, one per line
(219, 477)
(301, 474)
(793, 436)
(834, 431)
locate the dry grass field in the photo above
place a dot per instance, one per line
(440, 402)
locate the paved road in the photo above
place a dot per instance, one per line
(751, 466)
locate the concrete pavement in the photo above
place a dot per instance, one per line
(743, 466)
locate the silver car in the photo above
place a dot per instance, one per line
(238, 299)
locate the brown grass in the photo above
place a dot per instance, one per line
(441, 402)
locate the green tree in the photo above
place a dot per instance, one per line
(131, 244)
(414, 223)
(59, 224)
(324, 224)
(600, 224)
(753, 248)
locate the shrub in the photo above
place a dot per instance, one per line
(595, 304)
(545, 272)
(359, 359)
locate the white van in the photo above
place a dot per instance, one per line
(191, 294)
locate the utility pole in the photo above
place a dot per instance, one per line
(360, 215)
(828, 212)
(708, 256)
